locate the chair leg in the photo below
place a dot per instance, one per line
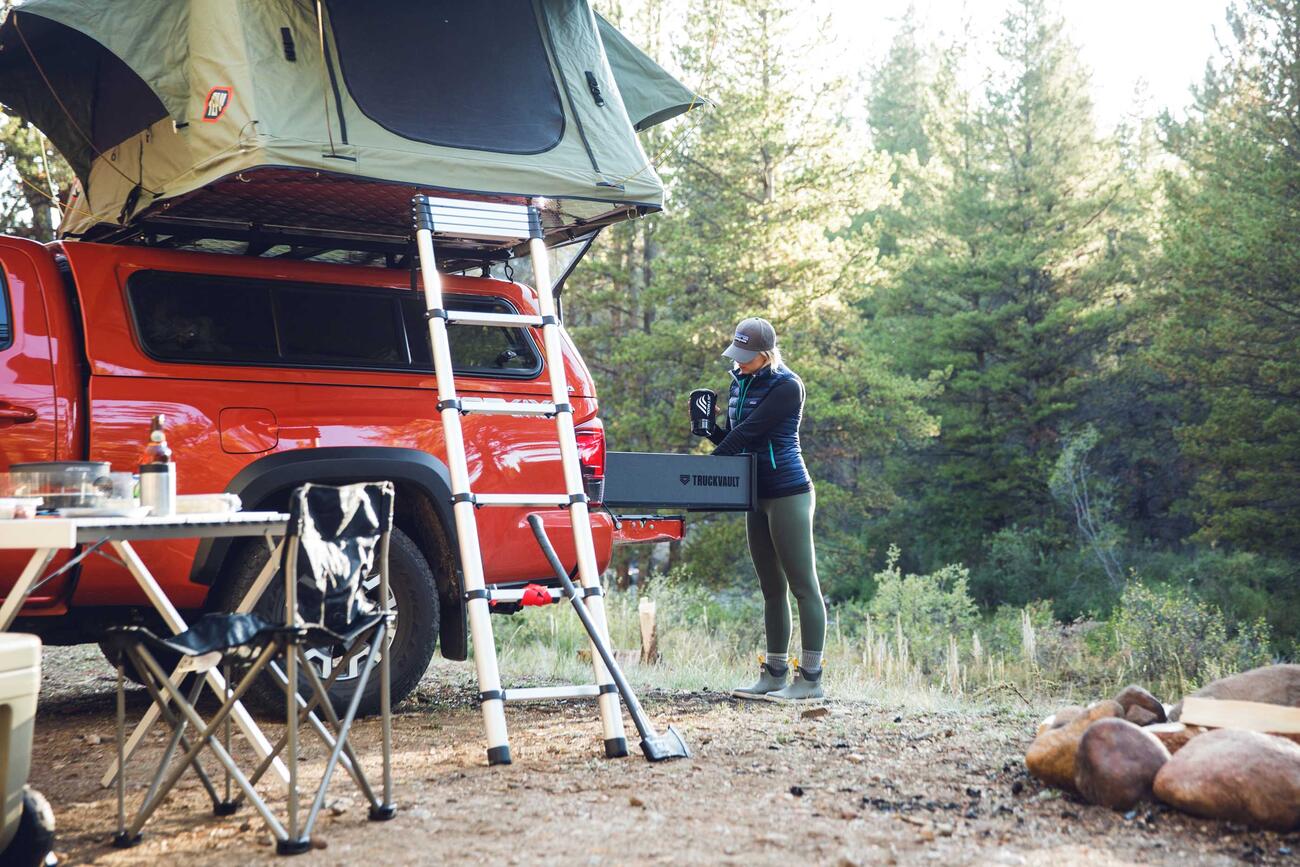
(153, 796)
(228, 805)
(388, 809)
(206, 737)
(344, 731)
(320, 697)
(178, 726)
(295, 842)
(120, 839)
(353, 766)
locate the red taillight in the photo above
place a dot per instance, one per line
(591, 454)
(591, 450)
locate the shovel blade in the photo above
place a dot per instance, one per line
(668, 745)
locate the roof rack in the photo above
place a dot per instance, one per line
(295, 242)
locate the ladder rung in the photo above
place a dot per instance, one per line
(506, 407)
(473, 219)
(521, 499)
(542, 693)
(499, 320)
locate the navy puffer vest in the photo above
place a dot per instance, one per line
(781, 470)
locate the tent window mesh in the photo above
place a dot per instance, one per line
(450, 73)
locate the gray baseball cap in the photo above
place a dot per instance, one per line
(752, 337)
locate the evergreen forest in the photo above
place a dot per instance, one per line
(1052, 368)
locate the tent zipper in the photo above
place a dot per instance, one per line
(334, 82)
(564, 83)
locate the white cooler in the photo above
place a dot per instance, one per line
(20, 682)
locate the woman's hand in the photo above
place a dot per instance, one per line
(703, 409)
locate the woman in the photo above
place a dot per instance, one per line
(763, 415)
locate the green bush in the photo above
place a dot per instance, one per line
(1027, 564)
(1247, 587)
(1173, 642)
(928, 610)
(716, 554)
(1004, 630)
(1017, 566)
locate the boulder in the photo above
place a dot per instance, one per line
(1237, 775)
(1271, 684)
(1134, 696)
(1060, 718)
(1140, 716)
(1174, 735)
(1116, 763)
(1050, 757)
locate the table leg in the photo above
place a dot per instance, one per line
(176, 623)
(41, 558)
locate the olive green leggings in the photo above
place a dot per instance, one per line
(781, 544)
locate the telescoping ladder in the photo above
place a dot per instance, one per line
(484, 221)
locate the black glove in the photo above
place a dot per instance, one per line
(703, 403)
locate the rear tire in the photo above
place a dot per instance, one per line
(34, 838)
(414, 595)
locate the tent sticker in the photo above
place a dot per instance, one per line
(217, 102)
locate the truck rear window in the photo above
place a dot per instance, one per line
(231, 320)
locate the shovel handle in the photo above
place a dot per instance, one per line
(633, 706)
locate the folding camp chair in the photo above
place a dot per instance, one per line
(336, 536)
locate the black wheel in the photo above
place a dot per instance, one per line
(413, 595)
(34, 839)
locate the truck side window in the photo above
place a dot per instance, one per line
(473, 347)
(339, 327)
(235, 320)
(6, 331)
(191, 317)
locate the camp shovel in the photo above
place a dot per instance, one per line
(657, 747)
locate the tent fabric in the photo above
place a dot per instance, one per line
(153, 101)
(650, 95)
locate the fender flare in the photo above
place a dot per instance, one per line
(280, 472)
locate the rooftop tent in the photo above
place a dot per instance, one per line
(325, 117)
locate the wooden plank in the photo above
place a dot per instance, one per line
(1251, 715)
(649, 631)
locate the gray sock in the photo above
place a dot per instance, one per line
(810, 660)
(778, 661)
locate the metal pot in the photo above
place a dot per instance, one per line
(63, 484)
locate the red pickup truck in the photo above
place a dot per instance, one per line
(271, 372)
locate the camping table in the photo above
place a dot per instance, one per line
(48, 536)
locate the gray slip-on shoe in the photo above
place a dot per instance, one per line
(769, 680)
(806, 686)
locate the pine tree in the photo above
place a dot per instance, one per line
(1232, 330)
(900, 99)
(1008, 286)
(763, 188)
(32, 176)
(899, 95)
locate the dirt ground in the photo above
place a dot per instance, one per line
(862, 784)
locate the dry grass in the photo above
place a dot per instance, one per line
(705, 650)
